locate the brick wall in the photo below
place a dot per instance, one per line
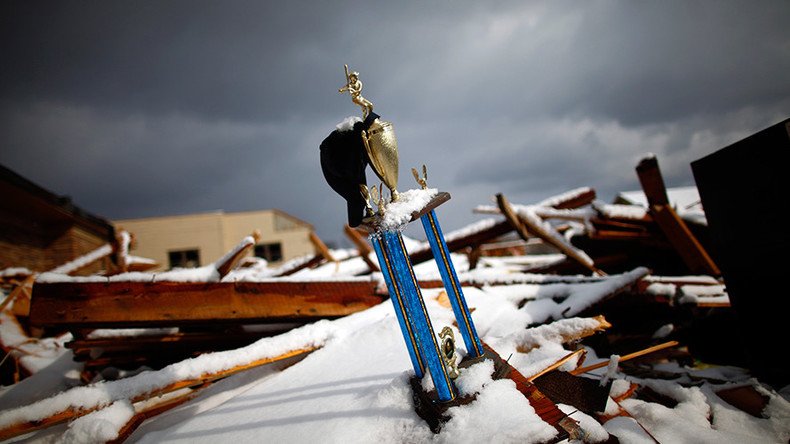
(20, 249)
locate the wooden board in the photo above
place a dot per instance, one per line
(674, 228)
(117, 304)
(471, 240)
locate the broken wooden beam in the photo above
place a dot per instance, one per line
(121, 245)
(674, 228)
(296, 266)
(571, 199)
(627, 357)
(472, 239)
(150, 408)
(81, 347)
(525, 226)
(228, 262)
(321, 247)
(14, 423)
(525, 343)
(148, 304)
(557, 364)
(83, 261)
(20, 296)
(362, 246)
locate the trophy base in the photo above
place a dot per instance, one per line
(434, 412)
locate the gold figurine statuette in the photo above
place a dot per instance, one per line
(378, 138)
(354, 87)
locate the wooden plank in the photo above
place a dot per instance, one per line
(544, 407)
(570, 200)
(683, 241)
(313, 262)
(674, 228)
(229, 262)
(471, 240)
(620, 235)
(189, 339)
(569, 337)
(652, 183)
(68, 413)
(525, 227)
(362, 246)
(121, 245)
(321, 247)
(627, 357)
(20, 295)
(84, 261)
(149, 304)
(622, 224)
(578, 353)
(152, 409)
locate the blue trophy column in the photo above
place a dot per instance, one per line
(403, 277)
(452, 286)
(396, 295)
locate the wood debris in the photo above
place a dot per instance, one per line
(641, 276)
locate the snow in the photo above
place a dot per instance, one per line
(529, 214)
(398, 213)
(123, 251)
(76, 264)
(104, 393)
(34, 354)
(614, 211)
(355, 386)
(689, 293)
(470, 229)
(15, 271)
(685, 200)
(99, 426)
(348, 123)
(129, 332)
(207, 273)
(564, 197)
(246, 242)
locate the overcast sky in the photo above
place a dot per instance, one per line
(144, 108)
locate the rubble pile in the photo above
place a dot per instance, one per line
(619, 308)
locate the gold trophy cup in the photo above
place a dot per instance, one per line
(382, 148)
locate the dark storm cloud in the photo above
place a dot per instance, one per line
(145, 108)
(234, 60)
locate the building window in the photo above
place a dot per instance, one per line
(271, 252)
(184, 258)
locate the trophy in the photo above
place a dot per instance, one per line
(344, 155)
(378, 136)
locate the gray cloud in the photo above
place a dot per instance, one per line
(137, 109)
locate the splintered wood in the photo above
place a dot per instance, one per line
(568, 336)
(673, 227)
(362, 245)
(525, 226)
(15, 422)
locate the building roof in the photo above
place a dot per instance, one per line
(23, 196)
(277, 212)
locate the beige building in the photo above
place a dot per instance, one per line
(199, 239)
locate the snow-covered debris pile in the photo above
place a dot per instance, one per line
(356, 386)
